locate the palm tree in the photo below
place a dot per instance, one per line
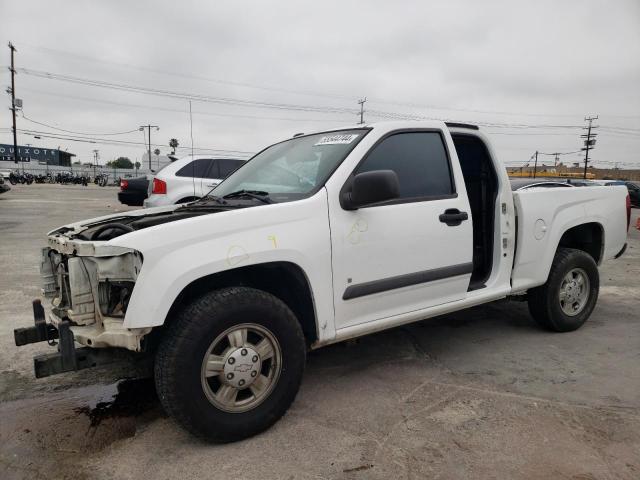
(173, 143)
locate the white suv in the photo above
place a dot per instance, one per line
(188, 179)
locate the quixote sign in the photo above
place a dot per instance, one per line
(30, 154)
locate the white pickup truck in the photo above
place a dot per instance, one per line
(317, 239)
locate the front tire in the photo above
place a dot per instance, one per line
(570, 293)
(230, 364)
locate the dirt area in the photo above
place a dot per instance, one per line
(478, 394)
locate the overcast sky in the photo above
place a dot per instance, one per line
(531, 64)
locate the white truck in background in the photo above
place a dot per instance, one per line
(317, 239)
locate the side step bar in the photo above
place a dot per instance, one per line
(68, 358)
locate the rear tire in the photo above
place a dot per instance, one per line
(230, 364)
(570, 293)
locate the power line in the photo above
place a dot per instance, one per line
(403, 116)
(299, 92)
(261, 117)
(263, 104)
(75, 138)
(530, 133)
(626, 131)
(487, 112)
(559, 153)
(185, 95)
(193, 77)
(154, 107)
(71, 131)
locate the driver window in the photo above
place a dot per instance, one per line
(418, 158)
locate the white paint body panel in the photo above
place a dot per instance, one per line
(544, 215)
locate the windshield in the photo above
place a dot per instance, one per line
(292, 169)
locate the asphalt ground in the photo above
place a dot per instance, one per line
(482, 393)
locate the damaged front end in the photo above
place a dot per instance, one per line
(89, 284)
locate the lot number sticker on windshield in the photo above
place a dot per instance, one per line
(337, 139)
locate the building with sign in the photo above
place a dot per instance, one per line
(39, 155)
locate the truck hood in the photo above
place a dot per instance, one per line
(93, 236)
(251, 228)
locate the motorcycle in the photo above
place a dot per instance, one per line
(20, 177)
(101, 179)
(43, 178)
(14, 177)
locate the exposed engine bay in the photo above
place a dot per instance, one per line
(92, 293)
(116, 226)
(90, 282)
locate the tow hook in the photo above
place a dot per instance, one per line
(68, 358)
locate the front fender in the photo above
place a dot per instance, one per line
(179, 253)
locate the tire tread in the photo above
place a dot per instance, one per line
(540, 299)
(179, 334)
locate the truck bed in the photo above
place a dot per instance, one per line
(543, 216)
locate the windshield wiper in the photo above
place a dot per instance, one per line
(208, 201)
(257, 194)
(215, 198)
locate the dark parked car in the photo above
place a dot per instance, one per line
(632, 187)
(634, 192)
(133, 191)
(3, 186)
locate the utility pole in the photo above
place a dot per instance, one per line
(12, 69)
(149, 127)
(589, 143)
(95, 161)
(361, 102)
(535, 165)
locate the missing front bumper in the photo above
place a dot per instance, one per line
(68, 358)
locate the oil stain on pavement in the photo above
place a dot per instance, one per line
(43, 435)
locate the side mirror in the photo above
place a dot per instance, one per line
(371, 187)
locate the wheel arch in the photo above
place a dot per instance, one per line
(588, 237)
(285, 280)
